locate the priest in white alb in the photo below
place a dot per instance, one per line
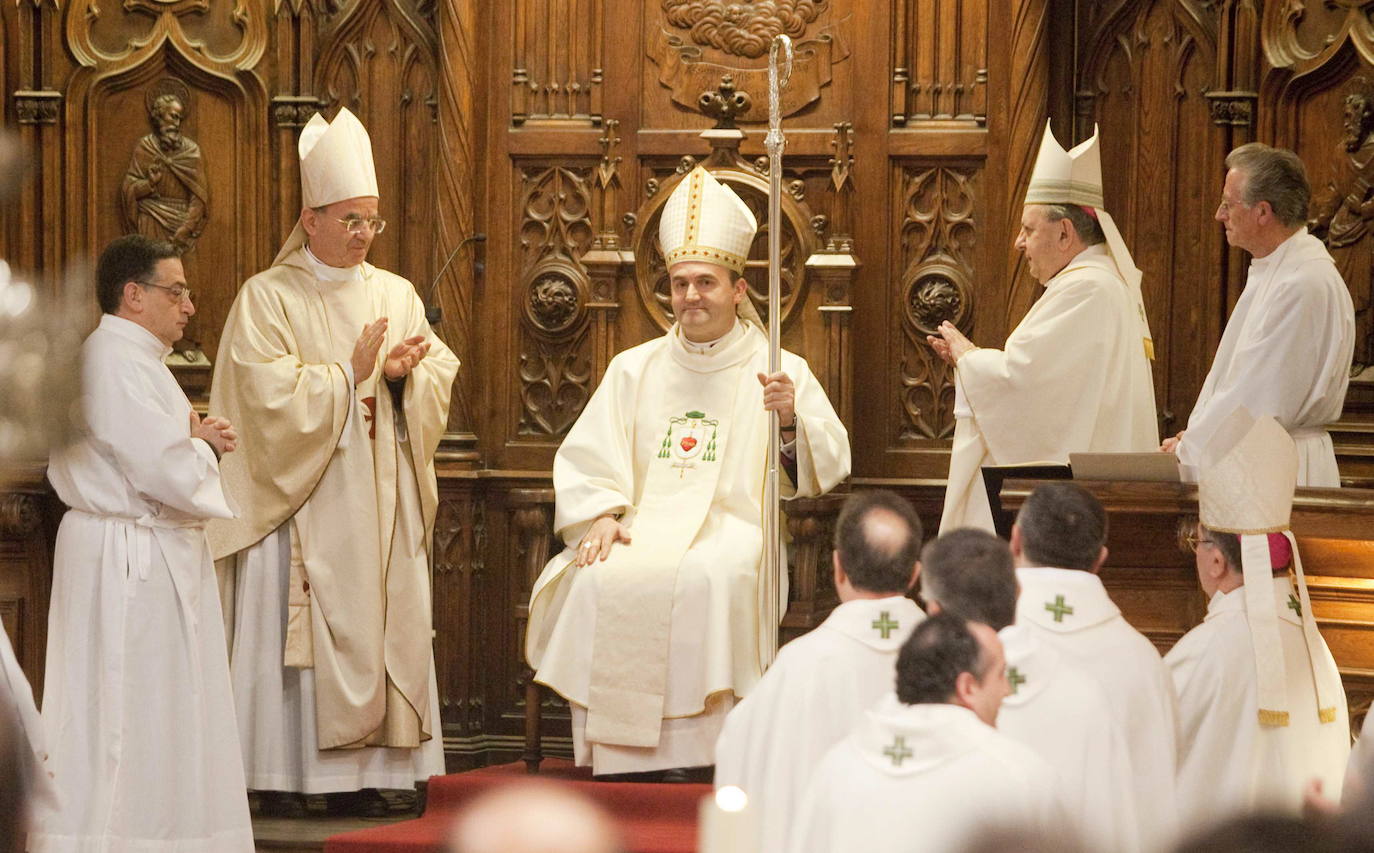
(340, 390)
(1052, 706)
(1287, 347)
(137, 709)
(649, 622)
(822, 682)
(1261, 708)
(1074, 374)
(1059, 545)
(925, 769)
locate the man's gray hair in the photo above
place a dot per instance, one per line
(1275, 175)
(1087, 226)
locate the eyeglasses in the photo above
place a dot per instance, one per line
(1225, 206)
(177, 291)
(1192, 540)
(354, 224)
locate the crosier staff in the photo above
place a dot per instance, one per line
(769, 577)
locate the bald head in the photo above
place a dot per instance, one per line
(534, 817)
(877, 542)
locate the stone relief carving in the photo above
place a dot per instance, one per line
(1342, 211)
(164, 192)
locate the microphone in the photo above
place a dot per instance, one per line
(433, 313)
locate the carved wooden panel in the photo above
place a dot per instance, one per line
(939, 62)
(555, 366)
(937, 233)
(557, 76)
(1145, 79)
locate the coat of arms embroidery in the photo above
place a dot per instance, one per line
(689, 439)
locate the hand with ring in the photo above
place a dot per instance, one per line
(596, 545)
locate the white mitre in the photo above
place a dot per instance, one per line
(1248, 491)
(336, 164)
(705, 221)
(1075, 177)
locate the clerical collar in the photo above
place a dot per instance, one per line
(1258, 265)
(135, 334)
(708, 347)
(325, 272)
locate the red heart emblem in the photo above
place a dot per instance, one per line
(688, 443)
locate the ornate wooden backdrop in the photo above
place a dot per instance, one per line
(553, 127)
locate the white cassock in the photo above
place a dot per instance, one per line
(1286, 352)
(1229, 762)
(137, 708)
(924, 777)
(1070, 612)
(16, 696)
(1072, 377)
(810, 698)
(652, 645)
(1064, 715)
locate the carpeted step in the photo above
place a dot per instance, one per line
(654, 818)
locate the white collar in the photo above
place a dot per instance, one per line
(135, 334)
(709, 347)
(879, 623)
(904, 740)
(325, 272)
(1063, 600)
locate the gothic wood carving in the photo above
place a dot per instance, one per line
(558, 72)
(940, 73)
(937, 238)
(556, 230)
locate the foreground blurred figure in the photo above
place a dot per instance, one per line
(534, 817)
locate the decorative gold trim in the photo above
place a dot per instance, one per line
(1265, 531)
(1274, 718)
(1327, 715)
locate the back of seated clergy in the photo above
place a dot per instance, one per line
(821, 683)
(1059, 544)
(1053, 707)
(925, 769)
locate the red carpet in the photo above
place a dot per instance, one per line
(653, 818)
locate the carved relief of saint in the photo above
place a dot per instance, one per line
(1343, 211)
(164, 192)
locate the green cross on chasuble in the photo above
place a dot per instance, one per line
(1294, 606)
(1015, 678)
(898, 751)
(885, 625)
(1059, 608)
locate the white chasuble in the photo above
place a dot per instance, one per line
(1286, 352)
(338, 498)
(1065, 716)
(1072, 377)
(1229, 762)
(812, 696)
(1070, 612)
(137, 709)
(668, 625)
(929, 777)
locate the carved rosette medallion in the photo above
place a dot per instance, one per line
(939, 292)
(556, 296)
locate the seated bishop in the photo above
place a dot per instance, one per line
(1261, 708)
(1074, 375)
(821, 683)
(649, 622)
(1059, 546)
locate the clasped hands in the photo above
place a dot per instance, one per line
(217, 432)
(400, 359)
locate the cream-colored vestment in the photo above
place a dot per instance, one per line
(667, 628)
(337, 497)
(1072, 377)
